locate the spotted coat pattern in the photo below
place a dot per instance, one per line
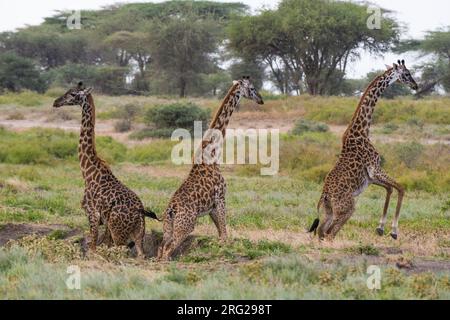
(359, 164)
(203, 191)
(106, 200)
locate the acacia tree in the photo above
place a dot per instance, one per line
(308, 43)
(436, 72)
(18, 73)
(182, 49)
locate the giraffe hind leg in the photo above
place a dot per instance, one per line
(325, 224)
(342, 211)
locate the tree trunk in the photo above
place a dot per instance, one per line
(182, 87)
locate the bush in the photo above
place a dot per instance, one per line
(24, 98)
(122, 125)
(110, 150)
(36, 146)
(18, 73)
(16, 116)
(176, 115)
(409, 153)
(44, 146)
(151, 133)
(303, 125)
(389, 128)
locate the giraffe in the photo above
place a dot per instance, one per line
(359, 164)
(203, 191)
(106, 200)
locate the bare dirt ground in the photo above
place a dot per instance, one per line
(245, 120)
(13, 231)
(390, 255)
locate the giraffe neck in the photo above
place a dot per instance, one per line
(362, 118)
(87, 153)
(220, 120)
(226, 109)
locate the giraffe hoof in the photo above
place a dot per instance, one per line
(380, 231)
(394, 236)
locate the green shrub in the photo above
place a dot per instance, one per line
(176, 115)
(25, 154)
(24, 98)
(389, 128)
(110, 150)
(151, 133)
(303, 125)
(418, 180)
(128, 112)
(122, 125)
(55, 92)
(16, 116)
(409, 153)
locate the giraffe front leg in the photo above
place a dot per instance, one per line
(383, 179)
(380, 228)
(94, 221)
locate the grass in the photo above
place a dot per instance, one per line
(288, 277)
(268, 255)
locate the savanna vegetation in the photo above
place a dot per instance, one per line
(156, 67)
(269, 254)
(195, 48)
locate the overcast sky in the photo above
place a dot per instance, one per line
(418, 16)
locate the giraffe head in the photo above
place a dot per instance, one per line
(402, 75)
(75, 96)
(248, 90)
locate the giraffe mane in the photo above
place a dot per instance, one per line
(94, 147)
(224, 102)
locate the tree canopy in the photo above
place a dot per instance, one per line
(197, 47)
(435, 72)
(307, 43)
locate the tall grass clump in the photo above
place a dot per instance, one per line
(303, 125)
(25, 98)
(157, 150)
(45, 146)
(36, 146)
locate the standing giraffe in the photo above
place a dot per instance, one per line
(106, 200)
(203, 191)
(359, 164)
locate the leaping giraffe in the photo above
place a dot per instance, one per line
(106, 200)
(203, 191)
(359, 163)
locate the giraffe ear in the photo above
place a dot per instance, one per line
(388, 66)
(235, 82)
(88, 90)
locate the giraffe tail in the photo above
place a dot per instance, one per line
(316, 221)
(150, 214)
